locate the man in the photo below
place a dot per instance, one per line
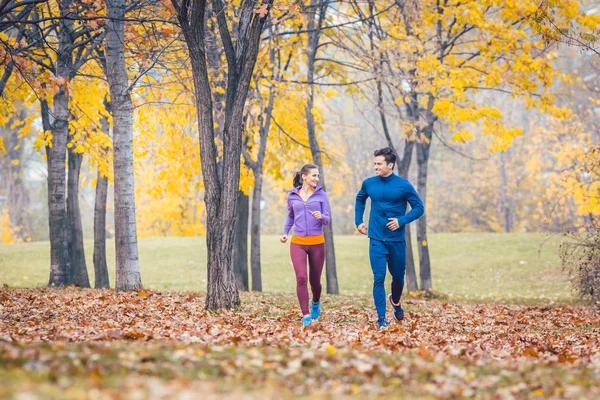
(390, 195)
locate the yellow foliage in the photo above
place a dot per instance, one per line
(462, 136)
(7, 236)
(44, 139)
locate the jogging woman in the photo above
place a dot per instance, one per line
(308, 211)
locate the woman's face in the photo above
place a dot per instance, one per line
(312, 177)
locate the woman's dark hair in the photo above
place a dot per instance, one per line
(387, 153)
(303, 171)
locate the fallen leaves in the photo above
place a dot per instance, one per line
(441, 349)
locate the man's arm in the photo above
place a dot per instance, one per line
(416, 204)
(359, 206)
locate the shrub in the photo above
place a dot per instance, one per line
(580, 256)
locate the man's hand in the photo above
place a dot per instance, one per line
(283, 238)
(393, 224)
(362, 228)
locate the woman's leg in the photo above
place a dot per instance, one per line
(298, 255)
(316, 259)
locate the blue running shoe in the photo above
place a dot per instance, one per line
(315, 309)
(382, 323)
(306, 320)
(398, 311)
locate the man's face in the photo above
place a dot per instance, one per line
(382, 168)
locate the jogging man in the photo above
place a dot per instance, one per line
(390, 195)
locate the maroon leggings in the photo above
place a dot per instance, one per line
(316, 258)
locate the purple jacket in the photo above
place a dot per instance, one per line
(299, 214)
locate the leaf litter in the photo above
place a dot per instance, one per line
(72, 342)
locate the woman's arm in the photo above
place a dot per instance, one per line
(289, 221)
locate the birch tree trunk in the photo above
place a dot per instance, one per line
(127, 262)
(60, 267)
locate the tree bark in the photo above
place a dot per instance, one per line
(221, 194)
(412, 284)
(412, 107)
(423, 148)
(127, 262)
(255, 265)
(18, 202)
(10, 65)
(314, 29)
(79, 273)
(257, 171)
(6, 76)
(60, 267)
(506, 209)
(240, 248)
(100, 265)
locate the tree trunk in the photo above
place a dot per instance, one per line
(255, 232)
(60, 268)
(506, 209)
(412, 107)
(10, 65)
(314, 29)
(423, 148)
(221, 194)
(79, 273)
(18, 202)
(257, 171)
(6, 76)
(127, 263)
(240, 248)
(100, 265)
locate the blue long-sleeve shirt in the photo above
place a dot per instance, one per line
(390, 197)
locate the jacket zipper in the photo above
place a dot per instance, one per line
(305, 220)
(385, 232)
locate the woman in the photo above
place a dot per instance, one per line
(308, 211)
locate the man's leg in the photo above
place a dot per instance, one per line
(378, 256)
(397, 267)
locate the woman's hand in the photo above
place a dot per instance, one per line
(317, 215)
(283, 238)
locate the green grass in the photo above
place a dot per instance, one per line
(466, 266)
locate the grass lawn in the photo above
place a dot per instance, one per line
(507, 268)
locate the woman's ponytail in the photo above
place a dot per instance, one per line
(298, 175)
(297, 179)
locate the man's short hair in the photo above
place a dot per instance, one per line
(387, 153)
